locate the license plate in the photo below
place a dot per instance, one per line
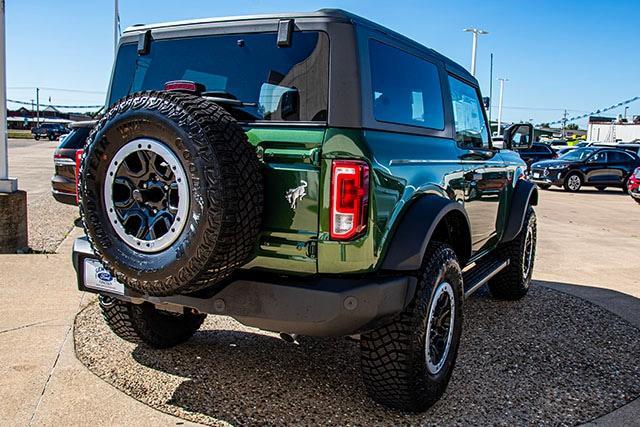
(97, 277)
(536, 175)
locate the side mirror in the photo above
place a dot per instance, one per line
(518, 136)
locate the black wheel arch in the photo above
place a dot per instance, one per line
(525, 194)
(430, 217)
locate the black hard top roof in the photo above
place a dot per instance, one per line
(337, 15)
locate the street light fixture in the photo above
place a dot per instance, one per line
(501, 80)
(475, 32)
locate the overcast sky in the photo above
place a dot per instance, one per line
(578, 55)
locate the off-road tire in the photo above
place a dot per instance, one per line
(145, 324)
(225, 187)
(565, 185)
(512, 283)
(393, 357)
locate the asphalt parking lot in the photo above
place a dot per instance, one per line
(586, 242)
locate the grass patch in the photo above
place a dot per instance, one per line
(19, 134)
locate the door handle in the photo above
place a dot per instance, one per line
(477, 155)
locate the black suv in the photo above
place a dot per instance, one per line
(537, 152)
(52, 131)
(312, 174)
(589, 166)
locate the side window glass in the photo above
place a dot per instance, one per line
(600, 157)
(405, 88)
(471, 127)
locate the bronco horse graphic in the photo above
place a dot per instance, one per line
(295, 194)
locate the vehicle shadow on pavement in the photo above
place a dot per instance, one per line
(549, 358)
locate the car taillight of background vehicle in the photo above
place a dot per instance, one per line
(349, 198)
(78, 160)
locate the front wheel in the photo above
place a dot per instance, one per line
(573, 182)
(512, 283)
(36, 137)
(52, 137)
(407, 364)
(143, 323)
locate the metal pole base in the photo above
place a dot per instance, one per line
(13, 222)
(9, 185)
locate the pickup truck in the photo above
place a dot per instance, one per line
(52, 131)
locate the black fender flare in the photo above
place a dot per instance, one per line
(525, 194)
(416, 227)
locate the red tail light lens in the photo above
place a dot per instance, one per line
(78, 160)
(185, 86)
(349, 198)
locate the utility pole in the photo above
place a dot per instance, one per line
(476, 32)
(625, 112)
(37, 106)
(564, 122)
(501, 80)
(490, 89)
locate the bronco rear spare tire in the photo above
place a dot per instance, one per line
(170, 193)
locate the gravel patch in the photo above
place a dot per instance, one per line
(550, 359)
(49, 222)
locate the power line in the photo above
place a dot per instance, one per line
(57, 89)
(53, 105)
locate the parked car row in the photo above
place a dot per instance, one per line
(594, 166)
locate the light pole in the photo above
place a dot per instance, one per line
(501, 80)
(475, 32)
(625, 112)
(6, 185)
(13, 203)
(116, 27)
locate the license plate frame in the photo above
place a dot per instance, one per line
(96, 277)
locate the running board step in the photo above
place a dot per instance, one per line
(480, 274)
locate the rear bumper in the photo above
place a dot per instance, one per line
(322, 306)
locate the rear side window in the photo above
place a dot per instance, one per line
(76, 138)
(619, 157)
(406, 89)
(471, 127)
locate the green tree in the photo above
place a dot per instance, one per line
(544, 125)
(572, 126)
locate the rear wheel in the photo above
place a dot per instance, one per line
(407, 364)
(36, 137)
(512, 283)
(573, 182)
(52, 137)
(143, 323)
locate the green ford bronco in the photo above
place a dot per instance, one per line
(313, 174)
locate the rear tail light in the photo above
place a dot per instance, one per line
(78, 160)
(349, 198)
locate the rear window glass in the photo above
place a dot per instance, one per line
(76, 138)
(405, 89)
(281, 83)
